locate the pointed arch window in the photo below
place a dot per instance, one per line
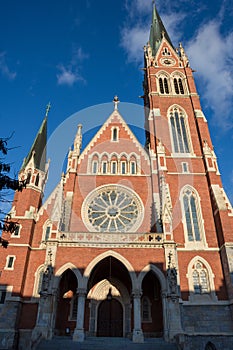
(74, 308)
(94, 167)
(115, 134)
(47, 229)
(114, 167)
(28, 178)
(192, 219)
(47, 232)
(133, 167)
(179, 83)
(179, 132)
(38, 281)
(104, 167)
(123, 167)
(181, 88)
(37, 180)
(16, 232)
(163, 85)
(200, 279)
(146, 309)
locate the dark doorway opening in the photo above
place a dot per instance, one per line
(110, 319)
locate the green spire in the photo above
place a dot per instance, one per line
(157, 32)
(38, 149)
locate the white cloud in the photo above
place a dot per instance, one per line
(143, 6)
(70, 74)
(66, 76)
(78, 55)
(132, 40)
(211, 54)
(172, 23)
(135, 32)
(4, 69)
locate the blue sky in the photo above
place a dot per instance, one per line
(80, 53)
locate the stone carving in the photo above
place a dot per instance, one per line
(172, 275)
(183, 56)
(47, 276)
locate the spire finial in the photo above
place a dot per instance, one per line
(116, 101)
(47, 109)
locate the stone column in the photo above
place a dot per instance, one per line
(174, 326)
(127, 319)
(43, 327)
(79, 330)
(137, 331)
(93, 316)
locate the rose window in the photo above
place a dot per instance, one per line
(112, 208)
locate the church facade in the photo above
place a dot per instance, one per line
(134, 241)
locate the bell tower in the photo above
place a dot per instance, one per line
(34, 170)
(194, 211)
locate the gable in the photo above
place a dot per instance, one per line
(166, 55)
(114, 141)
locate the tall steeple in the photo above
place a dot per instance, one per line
(157, 32)
(38, 149)
(34, 170)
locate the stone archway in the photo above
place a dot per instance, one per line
(154, 321)
(151, 306)
(109, 290)
(66, 310)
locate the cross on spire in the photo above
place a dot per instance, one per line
(48, 107)
(116, 101)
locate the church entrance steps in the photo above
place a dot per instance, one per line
(104, 343)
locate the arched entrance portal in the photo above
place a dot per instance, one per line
(109, 303)
(110, 318)
(151, 306)
(66, 312)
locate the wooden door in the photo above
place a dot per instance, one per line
(110, 319)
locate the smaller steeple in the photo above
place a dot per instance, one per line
(78, 140)
(157, 32)
(38, 149)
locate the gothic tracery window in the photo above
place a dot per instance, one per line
(178, 86)
(200, 279)
(163, 85)
(112, 208)
(192, 215)
(114, 164)
(146, 309)
(179, 131)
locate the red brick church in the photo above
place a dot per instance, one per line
(134, 241)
